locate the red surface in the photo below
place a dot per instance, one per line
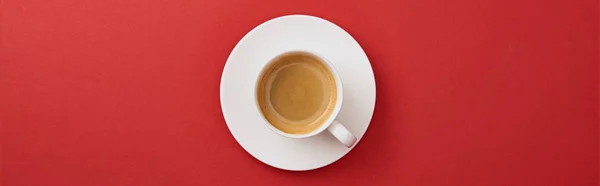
(126, 92)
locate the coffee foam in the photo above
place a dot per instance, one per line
(300, 64)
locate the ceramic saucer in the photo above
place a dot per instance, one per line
(270, 39)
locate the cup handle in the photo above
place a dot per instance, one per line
(342, 134)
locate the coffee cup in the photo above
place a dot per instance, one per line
(299, 94)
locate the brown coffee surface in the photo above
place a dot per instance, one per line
(296, 93)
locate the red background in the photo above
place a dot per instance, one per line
(126, 92)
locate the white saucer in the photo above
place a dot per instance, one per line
(270, 39)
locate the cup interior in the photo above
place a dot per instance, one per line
(339, 93)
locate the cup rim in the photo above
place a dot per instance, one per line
(336, 109)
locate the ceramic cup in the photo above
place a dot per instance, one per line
(337, 129)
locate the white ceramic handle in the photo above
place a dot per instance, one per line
(342, 134)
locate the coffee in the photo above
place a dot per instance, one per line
(296, 93)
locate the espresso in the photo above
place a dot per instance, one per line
(296, 93)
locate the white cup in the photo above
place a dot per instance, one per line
(331, 124)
